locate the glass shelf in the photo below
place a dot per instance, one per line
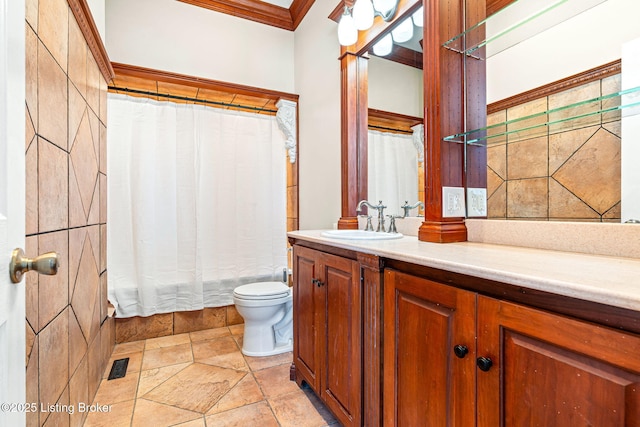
(515, 23)
(606, 108)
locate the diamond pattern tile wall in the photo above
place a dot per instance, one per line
(70, 337)
(85, 163)
(566, 172)
(590, 173)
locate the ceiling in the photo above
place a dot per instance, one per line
(282, 3)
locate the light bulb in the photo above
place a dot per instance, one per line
(403, 32)
(347, 32)
(384, 46)
(363, 14)
(418, 17)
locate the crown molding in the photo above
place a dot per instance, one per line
(597, 73)
(389, 121)
(259, 11)
(87, 25)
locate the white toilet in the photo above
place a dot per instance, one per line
(267, 310)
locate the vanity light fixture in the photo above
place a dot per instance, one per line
(347, 31)
(384, 46)
(361, 18)
(403, 32)
(418, 17)
(363, 14)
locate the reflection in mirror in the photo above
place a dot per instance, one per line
(393, 170)
(555, 117)
(395, 155)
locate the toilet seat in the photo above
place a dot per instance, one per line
(262, 291)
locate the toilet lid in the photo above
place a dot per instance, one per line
(262, 290)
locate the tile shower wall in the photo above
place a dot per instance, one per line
(564, 171)
(69, 335)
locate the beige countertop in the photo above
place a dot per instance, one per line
(607, 280)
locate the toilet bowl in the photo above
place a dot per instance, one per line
(267, 310)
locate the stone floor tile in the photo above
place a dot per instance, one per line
(275, 381)
(244, 393)
(118, 390)
(196, 388)
(119, 414)
(152, 378)
(259, 363)
(148, 413)
(167, 341)
(222, 352)
(259, 414)
(166, 356)
(301, 408)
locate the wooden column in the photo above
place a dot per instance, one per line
(445, 110)
(476, 100)
(354, 105)
(372, 321)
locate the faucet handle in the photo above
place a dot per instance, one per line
(392, 223)
(369, 226)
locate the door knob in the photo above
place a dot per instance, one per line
(461, 350)
(44, 264)
(484, 363)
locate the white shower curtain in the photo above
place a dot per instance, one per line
(392, 170)
(197, 204)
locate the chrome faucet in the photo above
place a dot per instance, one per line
(407, 207)
(379, 207)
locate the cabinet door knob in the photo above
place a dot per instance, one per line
(484, 363)
(314, 281)
(320, 283)
(461, 350)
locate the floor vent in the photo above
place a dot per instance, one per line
(118, 369)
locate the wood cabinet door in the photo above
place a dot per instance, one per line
(553, 371)
(342, 340)
(307, 316)
(425, 383)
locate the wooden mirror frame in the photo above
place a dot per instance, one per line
(447, 109)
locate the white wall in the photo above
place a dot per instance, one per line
(173, 36)
(630, 185)
(97, 8)
(317, 76)
(395, 87)
(592, 38)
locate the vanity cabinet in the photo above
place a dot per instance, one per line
(424, 383)
(526, 367)
(327, 349)
(551, 370)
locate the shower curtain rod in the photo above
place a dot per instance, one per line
(186, 98)
(406, 132)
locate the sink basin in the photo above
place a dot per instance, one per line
(360, 235)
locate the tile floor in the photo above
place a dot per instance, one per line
(202, 379)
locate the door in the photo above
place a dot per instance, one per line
(553, 371)
(429, 349)
(342, 338)
(12, 212)
(308, 298)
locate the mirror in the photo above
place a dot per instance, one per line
(395, 154)
(554, 134)
(392, 155)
